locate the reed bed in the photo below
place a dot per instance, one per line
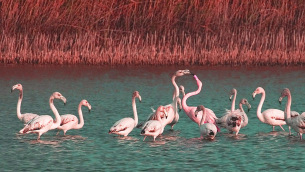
(143, 32)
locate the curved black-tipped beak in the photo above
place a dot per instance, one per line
(253, 97)
(89, 110)
(11, 90)
(248, 110)
(179, 110)
(280, 102)
(192, 74)
(65, 103)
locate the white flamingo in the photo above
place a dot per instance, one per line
(173, 115)
(26, 117)
(70, 121)
(44, 123)
(234, 120)
(273, 117)
(126, 125)
(155, 128)
(207, 130)
(297, 122)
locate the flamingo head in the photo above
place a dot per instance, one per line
(86, 103)
(258, 90)
(162, 112)
(57, 95)
(183, 72)
(233, 91)
(199, 108)
(245, 102)
(17, 86)
(284, 93)
(137, 94)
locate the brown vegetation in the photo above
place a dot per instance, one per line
(154, 32)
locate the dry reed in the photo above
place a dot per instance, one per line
(142, 32)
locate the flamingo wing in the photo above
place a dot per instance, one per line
(152, 126)
(65, 119)
(122, 125)
(37, 123)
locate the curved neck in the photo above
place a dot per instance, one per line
(81, 118)
(176, 92)
(19, 115)
(184, 105)
(134, 108)
(57, 116)
(259, 108)
(288, 106)
(241, 107)
(233, 102)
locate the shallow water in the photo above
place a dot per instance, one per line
(109, 92)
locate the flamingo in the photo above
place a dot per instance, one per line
(70, 121)
(234, 120)
(297, 122)
(273, 117)
(155, 128)
(126, 125)
(44, 123)
(173, 115)
(26, 117)
(207, 130)
(190, 110)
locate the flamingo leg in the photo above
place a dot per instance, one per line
(144, 138)
(65, 133)
(300, 136)
(289, 130)
(154, 138)
(281, 128)
(272, 128)
(57, 132)
(236, 133)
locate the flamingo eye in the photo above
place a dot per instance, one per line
(59, 95)
(19, 85)
(86, 102)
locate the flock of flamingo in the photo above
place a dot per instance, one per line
(233, 119)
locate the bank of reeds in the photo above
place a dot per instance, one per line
(210, 32)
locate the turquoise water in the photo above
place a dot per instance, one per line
(109, 92)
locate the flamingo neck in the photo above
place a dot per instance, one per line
(259, 108)
(288, 106)
(241, 107)
(185, 107)
(81, 118)
(233, 102)
(57, 116)
(134, 108)
(19, 115)
(176, 93)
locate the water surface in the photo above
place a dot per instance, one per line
(109, 92)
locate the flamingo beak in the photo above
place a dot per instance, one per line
(280, 100)
(89, 108)
(249, 106)
(253, 95)
(140, 99)
(165, 113)
(230, 98)
(63, 99)
(196, 112)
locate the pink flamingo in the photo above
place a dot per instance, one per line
(155, 128)
(274, 117)
(190, 110)
(171, 109)
(26, 117)
(207, 130)
(70, 121)
(126, 125)
(234, 120)
(44, 123)
(297, 122)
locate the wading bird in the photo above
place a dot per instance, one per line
(70, 121)
(43, 123)
(126, 125)
(207, 130)
(26, 117)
